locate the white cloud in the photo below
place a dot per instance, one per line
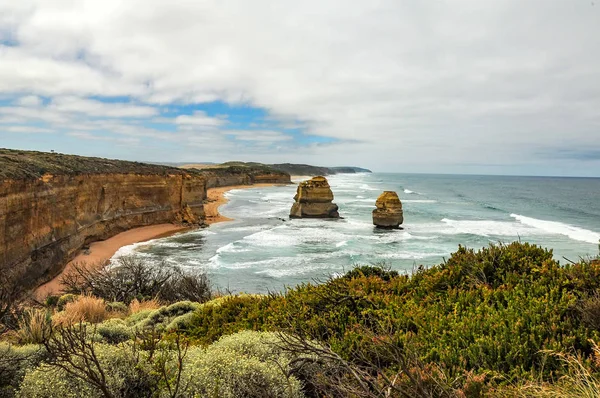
(199, 118)
(258, 135)
(101, 109)
(25, 129)
(30, 100)
(402, 85)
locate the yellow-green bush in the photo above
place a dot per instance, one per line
(15, 361)
(125, 377)
(247, 364)
(114, 331)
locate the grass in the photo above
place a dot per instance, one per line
(84, 308)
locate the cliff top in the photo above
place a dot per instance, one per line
(289, 168)
(17, 164)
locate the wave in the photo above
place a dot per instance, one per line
(555, 227)
(367, 187)
(408, 191)
(487, 228)
(419, 201)
(342, 243)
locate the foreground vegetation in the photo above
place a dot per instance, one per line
(507, 320)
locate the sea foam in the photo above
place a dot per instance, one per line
(555, 227)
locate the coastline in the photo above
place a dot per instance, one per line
(100, 252)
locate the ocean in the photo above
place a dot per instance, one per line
(262, 250)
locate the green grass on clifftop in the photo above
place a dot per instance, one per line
(16, 164)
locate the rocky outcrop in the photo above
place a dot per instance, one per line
(314, 200)
(388, 213)
(44, 222)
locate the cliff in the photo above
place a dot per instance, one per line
(243, 175)
(53, 205)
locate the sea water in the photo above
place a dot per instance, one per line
(263, 250)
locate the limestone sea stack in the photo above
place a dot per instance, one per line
(388, 213)
(314, 200)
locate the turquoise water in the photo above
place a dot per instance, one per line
(264, 251)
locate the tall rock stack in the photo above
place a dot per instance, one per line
(314, 200)
(388, 213)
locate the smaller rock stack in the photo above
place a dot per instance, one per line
(388, 213)
(314, 200)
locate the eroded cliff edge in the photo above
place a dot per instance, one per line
(53, 205)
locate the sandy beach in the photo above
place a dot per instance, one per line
(100, 252)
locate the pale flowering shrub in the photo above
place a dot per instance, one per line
(15, 361)
(265, 346)
(125, 376)
(51, 382)
(245, 364)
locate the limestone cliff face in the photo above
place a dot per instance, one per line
(240, 176)
(388, 213)
(314, 200)
(44, 222)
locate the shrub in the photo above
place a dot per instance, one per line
(117, 308)
(84, 308)
(160, 318)
(135, 278)
(489, 312)
(64, 300)
(114, 331)
(241, 366)
(380, 271)
(15, 361)
(34, 326)
(125, 376)
(52, 301)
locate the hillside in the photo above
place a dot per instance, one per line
(15, 164)
(289, 168)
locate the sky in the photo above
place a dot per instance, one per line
(462, 86)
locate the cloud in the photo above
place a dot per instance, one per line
(399, 86)
(258, 135)
(199, 118)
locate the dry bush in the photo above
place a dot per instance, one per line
(34, 326)
(135, 278)
(136, 306)
(12, 293)
(84, 308)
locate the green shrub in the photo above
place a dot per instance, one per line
(138, 317)
(114, 331)
(159, 319)
(15, 361)
(379, 271)
(64, 300)
(490, 311)
(52, 301)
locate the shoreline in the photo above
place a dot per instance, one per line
(102, 251)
